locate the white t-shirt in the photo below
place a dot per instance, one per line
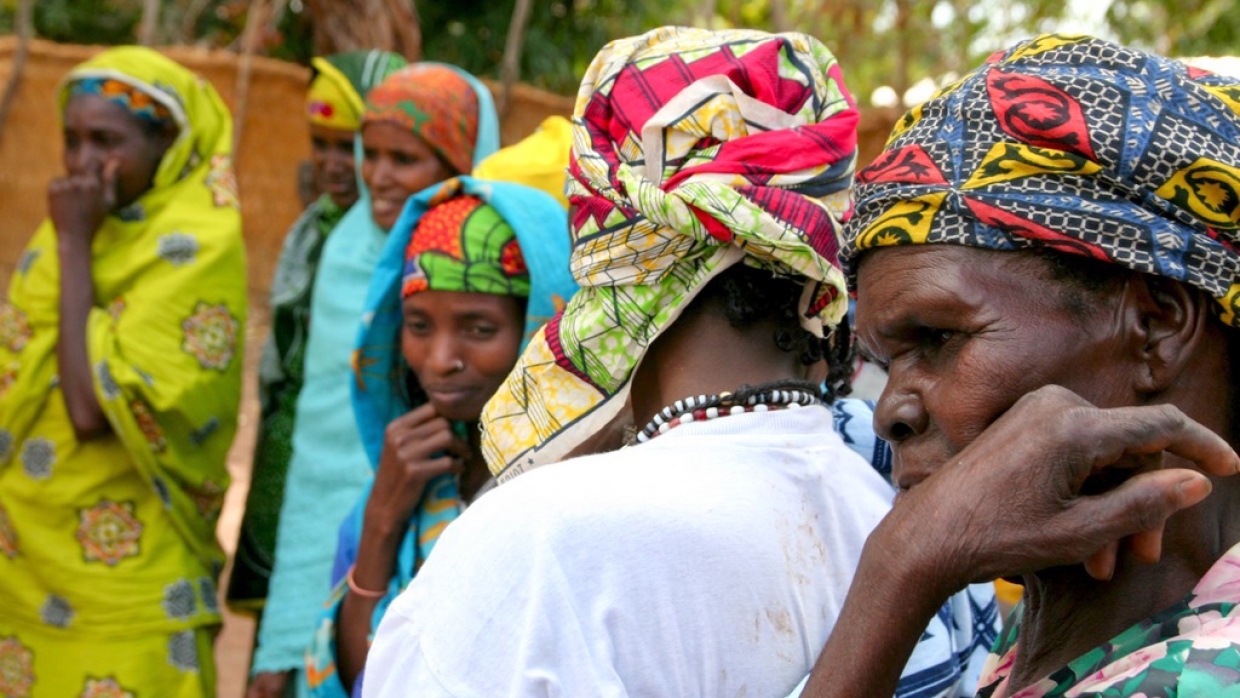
(711, 561)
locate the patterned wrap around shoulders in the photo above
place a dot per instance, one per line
(108, 555)
(693, 150)
(1075, 144)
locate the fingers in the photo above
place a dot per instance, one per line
(1101, 565)
(1145, 430)
(459, 448)
(109, 183)
(416, 416)
(1146, 546)
(443, 466)
(1139, 506)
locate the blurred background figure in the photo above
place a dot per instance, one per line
(421, 125)
(334, 105)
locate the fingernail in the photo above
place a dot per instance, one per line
(1193, 489)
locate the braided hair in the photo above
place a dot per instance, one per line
(749, 296)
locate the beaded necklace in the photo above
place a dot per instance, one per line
(704, 407)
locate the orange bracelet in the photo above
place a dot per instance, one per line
(366, 593)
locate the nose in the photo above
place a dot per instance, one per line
(900, 413)
(445, 356)
(84, 158)
(380, 173)
(337, 160)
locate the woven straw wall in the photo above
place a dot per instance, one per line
(274, 141)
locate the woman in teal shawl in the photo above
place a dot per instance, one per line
(469, 246)
(447, 116)
(334, 110)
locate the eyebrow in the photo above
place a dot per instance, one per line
(470, 315)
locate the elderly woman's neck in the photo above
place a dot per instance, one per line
(1068, 614)
(703, 354)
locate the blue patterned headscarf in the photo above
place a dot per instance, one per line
(1075, 144)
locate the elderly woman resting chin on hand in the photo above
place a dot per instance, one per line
(1046, 263)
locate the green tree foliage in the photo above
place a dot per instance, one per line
(561, 39)
(894, 43)
(1178, 27)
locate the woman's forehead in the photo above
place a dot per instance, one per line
(94, 111)
(897, 281)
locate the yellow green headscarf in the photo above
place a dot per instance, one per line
(336, 95)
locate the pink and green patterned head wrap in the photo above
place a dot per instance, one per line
(1073, 144)
(693, 151)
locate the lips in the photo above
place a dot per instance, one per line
(449, 393)
(338, 186)
(386, 208)
(911, 465)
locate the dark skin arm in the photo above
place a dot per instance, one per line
(406, 466)
(78, 205)
(957, 527)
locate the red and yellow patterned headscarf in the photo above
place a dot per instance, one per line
(693, 151)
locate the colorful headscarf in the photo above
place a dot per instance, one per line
(693, 150)
(463, 244)
(438, 103)
(136, 99)
(335, 97)
(1075, 144)
(379, 394)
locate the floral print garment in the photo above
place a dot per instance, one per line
(1191, 650)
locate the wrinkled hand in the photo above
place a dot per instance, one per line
(408, 463)
(1011, 503)
(78, 204)
(268, 684)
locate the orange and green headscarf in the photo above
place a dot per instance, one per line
(1075, 144)
(436, 102)
(463, 244)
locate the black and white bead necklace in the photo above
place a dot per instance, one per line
(700, 408)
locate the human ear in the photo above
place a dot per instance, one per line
(1173, 319)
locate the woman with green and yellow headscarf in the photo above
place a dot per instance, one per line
(334, 110)
(120, 380)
